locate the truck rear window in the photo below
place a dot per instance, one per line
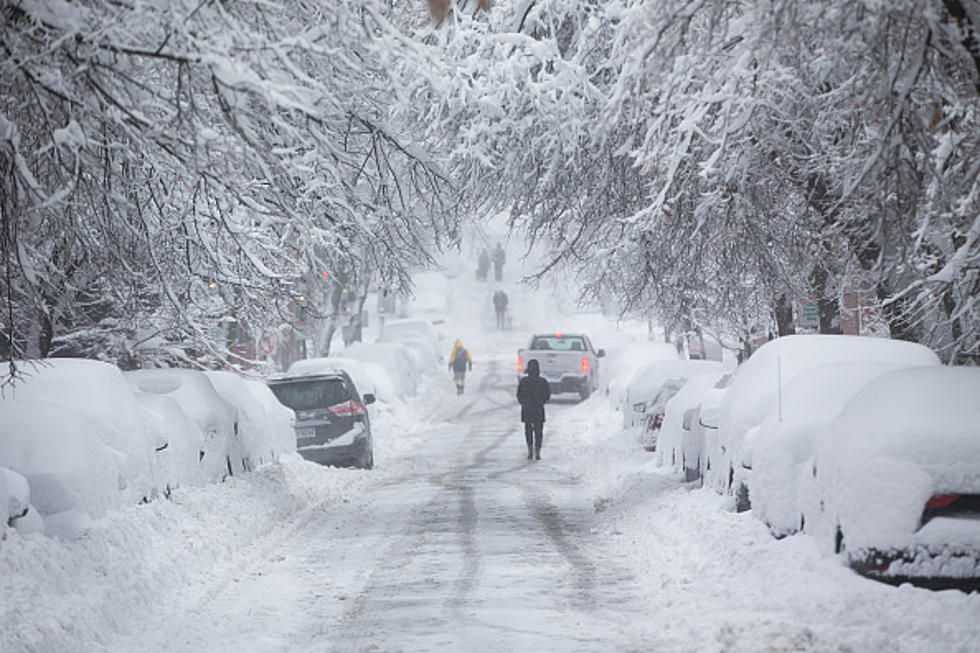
(558, 343)
(310, 394)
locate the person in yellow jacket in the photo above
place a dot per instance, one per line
(459, 362)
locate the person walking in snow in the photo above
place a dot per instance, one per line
(500, 308)
(498, 262)
(459, 362)
(533, 392)
(483, 265)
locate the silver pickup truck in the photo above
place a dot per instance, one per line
(568, 361)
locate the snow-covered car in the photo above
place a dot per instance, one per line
(257, 439)
(681, 440)
(180, 461)
(418, 336)
(332, 422)
(645, 400)
(783, 444)
(759, 382)
(895, 483)
(280, 420)
(396, 358)
(98, 391)
(71, 473)
(429, 300)
(622, 364)
(224, 452)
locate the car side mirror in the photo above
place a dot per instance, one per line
(368, 399)
(711, 408)
(600, 353)
(688, 422)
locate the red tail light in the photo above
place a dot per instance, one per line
(347, 408)
(520, 365)
(940, 501)
(585, 364)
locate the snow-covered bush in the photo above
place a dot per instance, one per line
(224, 452)
(99, 392)
(71, 473)
(396, 358)
(896, 476)
(759, 381)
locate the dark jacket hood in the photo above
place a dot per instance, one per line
(533, 369)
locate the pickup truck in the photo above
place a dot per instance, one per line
(568, 362)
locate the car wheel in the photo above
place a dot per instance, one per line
(742, 503)
(584, 393)
(368, 462)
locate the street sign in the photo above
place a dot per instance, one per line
(809, 314)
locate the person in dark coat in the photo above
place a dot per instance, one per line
(500, 308)
(533, 392)
(498, 262)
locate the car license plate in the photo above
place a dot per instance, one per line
(304, 433)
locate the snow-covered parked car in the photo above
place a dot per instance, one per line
(224, 452)
(652, 387)
(896, 477)
(429, 300)
(681, 440)
(759, 382)
(784, 443)
(98, 391)
(396, 358)
(72, 475)
(280, 420)
(259, 442)
(418, 336)
(622, 364)
(332, 422)
(180, 462)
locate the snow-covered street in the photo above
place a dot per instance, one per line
(455, 541)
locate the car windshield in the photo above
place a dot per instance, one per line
(558, 343)
(308, 394)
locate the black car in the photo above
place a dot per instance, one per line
(332, 424)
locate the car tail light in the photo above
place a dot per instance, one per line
(940, 501)
(520, 365)
(585, 364)
(347, 408)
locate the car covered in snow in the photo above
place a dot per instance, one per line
(419, 336)
(758, 385)
(652, 386)
(397, 359)
(224, 450)
(784, 442)
(681, 441)
(332, 422)
(98, 392)
(72, 475)
(895, 481)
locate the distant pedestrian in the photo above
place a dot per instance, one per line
(483, 265)
(500, 308)
(498, 262)
(533, 392)
(459, 362)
